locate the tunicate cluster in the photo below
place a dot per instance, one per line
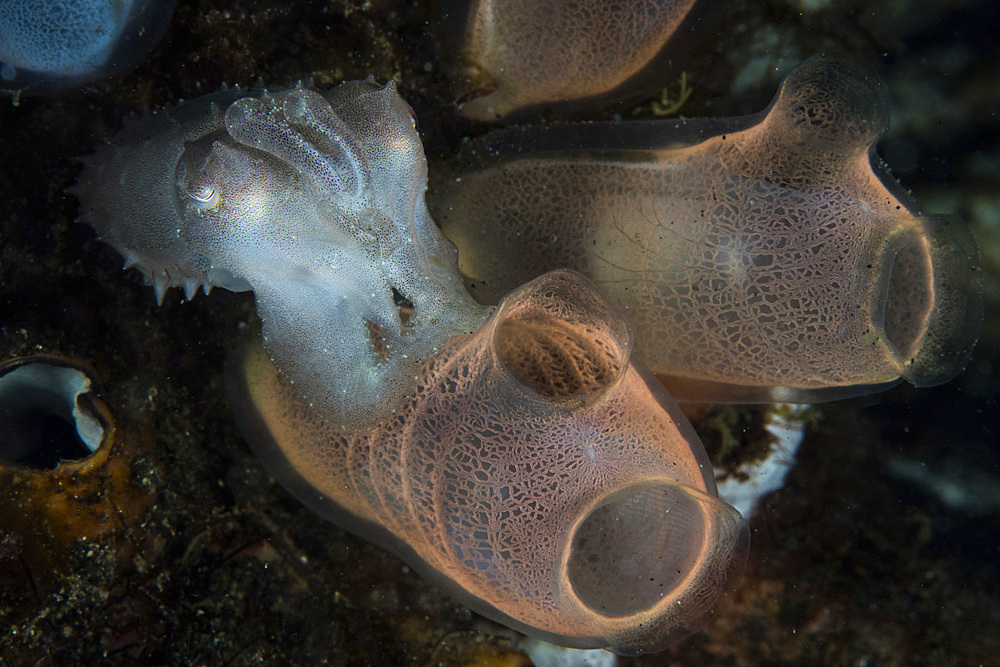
(520, 454)
(518, 457)
(759, 258)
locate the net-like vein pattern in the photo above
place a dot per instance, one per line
(569, 500)
(766, 262)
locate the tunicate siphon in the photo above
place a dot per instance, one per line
(758, 258)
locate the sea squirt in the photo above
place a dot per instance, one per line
(758, 258)
(519, 458)
(535, 473)
(50, 44)
(532, 53)
(313, 201)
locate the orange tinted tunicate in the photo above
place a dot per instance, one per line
(538, 52)
(757, 258)
(66, 470)
(535, 473)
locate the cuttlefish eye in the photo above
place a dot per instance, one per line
(205, 195)
(201, 173)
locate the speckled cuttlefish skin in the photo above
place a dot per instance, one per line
(519, 458)
(314, 202)
(758, 258)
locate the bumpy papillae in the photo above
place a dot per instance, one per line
(314, 201)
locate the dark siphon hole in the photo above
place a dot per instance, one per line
(38, 430)
(405, 306)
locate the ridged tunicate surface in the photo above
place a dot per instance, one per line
(313, 201)
(535, 473)
(757, 258)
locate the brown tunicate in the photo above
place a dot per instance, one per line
(533, 53)
(758, 258)
(65, 469)
(536, 473)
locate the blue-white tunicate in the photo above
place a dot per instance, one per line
(51, 44)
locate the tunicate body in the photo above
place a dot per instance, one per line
(50, 44)
(532, 53)
(66, 468)
(758, 258)
(519, 458)
(535, 473)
